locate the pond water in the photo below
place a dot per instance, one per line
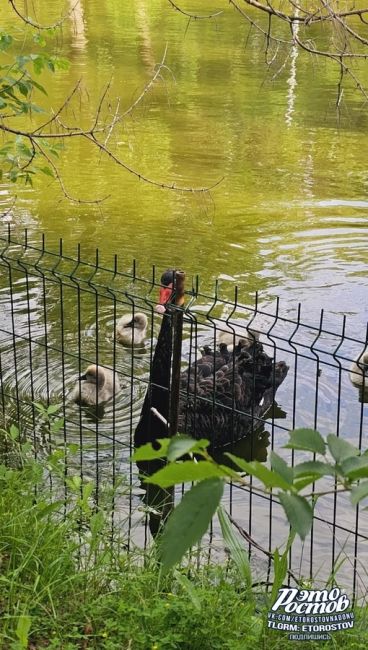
(288, 219)
(290, 215)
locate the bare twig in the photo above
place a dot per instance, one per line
(8, 211)
(44, 132)
(251, 541)
(60, 109)
(257, 26)
(148, 86)
(146, 179)
(59, 178)
(194, 16)
(31, 22)
(113, 122)
(315, 17)
(338, 58)
(30, 160)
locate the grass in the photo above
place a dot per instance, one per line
(65, 586)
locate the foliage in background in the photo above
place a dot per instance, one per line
(20, 158)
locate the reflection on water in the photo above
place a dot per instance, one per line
(78, 24)
(292, 82)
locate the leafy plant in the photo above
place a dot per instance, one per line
(19, 156)
(66, 583)
(333, 457)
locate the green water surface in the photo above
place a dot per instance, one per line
(288, 218)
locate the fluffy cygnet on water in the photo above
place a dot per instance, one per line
(233, 337)
(131, 330)
(95, 386)
(359, 370)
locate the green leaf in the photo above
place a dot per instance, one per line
(238, 553)
(280, 566)
(186, 472)
(298, 512)
(188, 586)
(73, 448)
(281, 467)
(13, 432)
(189, 521)
(57, 425)
(38, 65)
(40, 407)
(355, 467)
(60, 63)
(46, 170)
(36, 109)
(268, 477)
(23, 150)
(314, 468)
(147, 452)
(307, 440)
(22, 629)
(23, 59)
(359, 492)
(5, 40)
(44, 509)
(23, 88)
(87, 489)
(97, 523)
(5, 473)
(38, 86)
(301, 483)
(53, 408)
(74, 483)
(39, 39)
(341, 449)
(181, 445)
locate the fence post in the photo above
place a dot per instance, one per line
(177, 324)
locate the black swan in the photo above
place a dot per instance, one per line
(223, 395)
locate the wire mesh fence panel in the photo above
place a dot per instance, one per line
(61, 314)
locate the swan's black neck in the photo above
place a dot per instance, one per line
(150, 427)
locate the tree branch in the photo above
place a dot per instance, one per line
(59, 178)
(257, 26)
(194, 16)
(310, 18)
(30, 22)
(147, 87)
(141, 177)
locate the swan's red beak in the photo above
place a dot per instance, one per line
(164, 297)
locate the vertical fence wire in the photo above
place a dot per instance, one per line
(51, 331)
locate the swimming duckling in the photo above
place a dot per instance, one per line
(131, 330)
(96, 386)
(359, 370)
